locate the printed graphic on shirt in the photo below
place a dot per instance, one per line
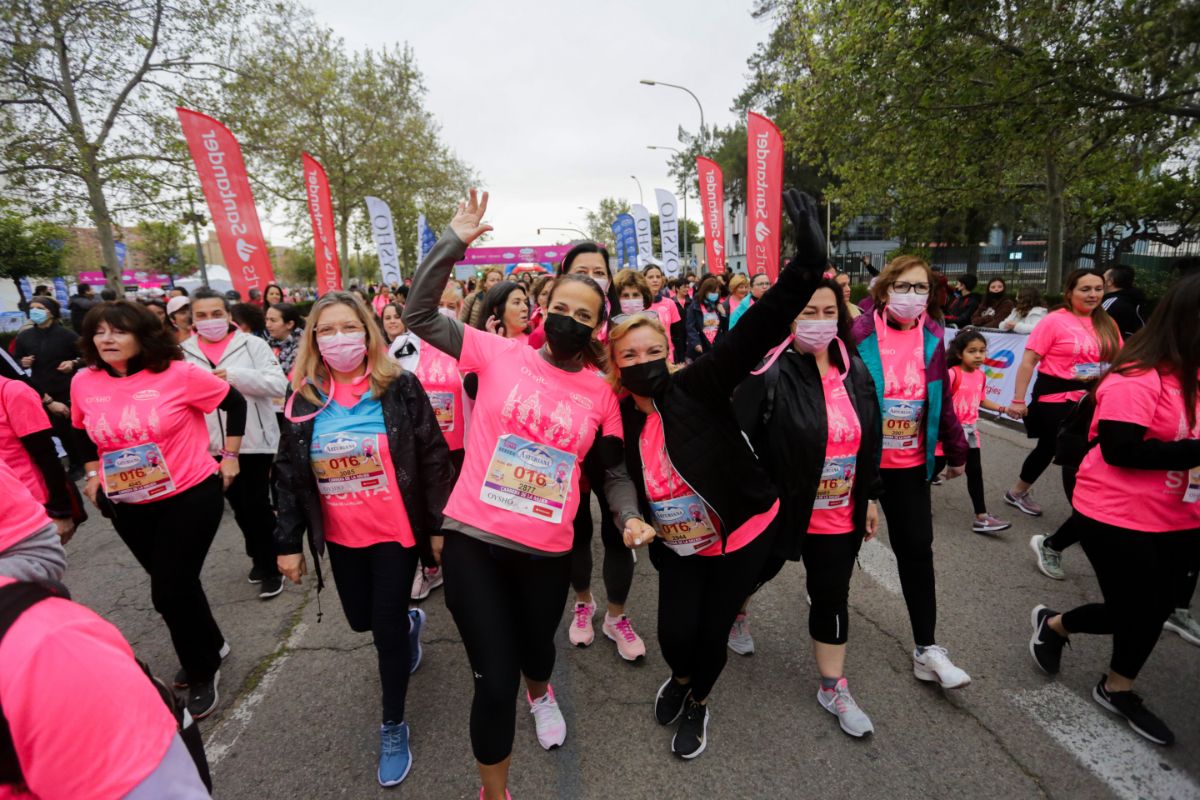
(443, 409)
(529, 478)
(136, 474)
(712, 324)
(348, 463)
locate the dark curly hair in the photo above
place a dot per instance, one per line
(158, 348)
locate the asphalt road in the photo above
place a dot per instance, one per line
(298, 716)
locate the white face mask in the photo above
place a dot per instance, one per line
(447, 312)
(632, 305)
(906, 307)
(603, 283)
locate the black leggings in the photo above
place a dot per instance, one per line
(906, 506)
(373, 584)
(618, 559)
(170, 538)
(507, 606)
(828, 565)
(974, 477)
(1140, 575)
(1051, 416)
(456, 461)
(698, 599)
(250, 498)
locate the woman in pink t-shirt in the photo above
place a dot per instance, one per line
(669, 311)
(149, 471)
(538, 413)
(364, 468)
(1137, 505)
(1070, 349)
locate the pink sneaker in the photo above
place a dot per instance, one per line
(548, 720)
(620, 630)
(581, 633)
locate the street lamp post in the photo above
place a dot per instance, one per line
(196, 220)
(641, 197)
(687, 232)
(684, 89)
(576, 230)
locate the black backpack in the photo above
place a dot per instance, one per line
(16, 599)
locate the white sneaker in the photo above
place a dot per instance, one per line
(425, 581)
(740, 640)
(1182, 622)
(548, 720)
(935, 665)
(581, 633)
(837, 701)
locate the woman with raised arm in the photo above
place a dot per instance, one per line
(507, 530)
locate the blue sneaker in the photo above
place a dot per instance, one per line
(395, 759)
(416, 621)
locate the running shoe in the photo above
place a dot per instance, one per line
(203, 697)
(837, 701)
(581, 633)
(271, 586)
(740, 640)
(416, 622)
(181, 678)
(620, 630)
(1023, 501)
(934, 665)
(938, 480)
(1129, 705)
(1046, 645)
(425, 581)
(692, 737)
(256, 575)
(507, 796)
(1049, 560)
(1182, 622)
(989, 524)
(395, 759)
(668, 703)
(548, 720)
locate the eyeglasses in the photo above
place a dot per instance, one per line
(904, 287)
(333, 330)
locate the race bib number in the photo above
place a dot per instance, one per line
(1192, 495)
(528, 478)
(837, 481)
(348, 463)
(972, 433)
(902, 424)
(1089, 371)
(136, 474)
(712, 324)
(443, 409)
(683, 524)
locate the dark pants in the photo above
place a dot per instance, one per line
(828, 565)
(906, 506)
(61, 427)
(698, 599)
(1140, 575)
(507, 606)
(170, 538)
(250, 498)
(456, 461)
(373, 584)
(975, 488)
(618, 559)
(1051, 416)
(1067, 533)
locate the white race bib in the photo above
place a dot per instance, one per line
(529, 478)
(136, 474)
(683, 524)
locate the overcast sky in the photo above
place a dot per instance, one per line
(543, 99)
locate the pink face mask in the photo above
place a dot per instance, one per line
(632, 305)
(343, 352)
(448, 312)
(906, 307)
(814, 335)
(214, 330)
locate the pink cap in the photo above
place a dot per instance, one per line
(176, 303)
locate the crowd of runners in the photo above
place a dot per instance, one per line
(446, 435)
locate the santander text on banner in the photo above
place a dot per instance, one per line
(320, 211)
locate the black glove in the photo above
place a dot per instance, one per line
(804, 213)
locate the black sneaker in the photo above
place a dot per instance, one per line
(1140, 718)
(181, 678)
(271, 586)
(668, 703)
(690, 739)
(1046, 645)
(203, 697)
(256, 575)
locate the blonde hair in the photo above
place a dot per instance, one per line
(643, 319)
(737, 281)
(309, 369)
(452, 292)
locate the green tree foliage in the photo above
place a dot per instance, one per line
(299, 267)
(30, 249)
(163, 244)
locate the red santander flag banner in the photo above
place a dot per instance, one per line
(764, 195)
(320, 210)
(712, 202)
(218, 160)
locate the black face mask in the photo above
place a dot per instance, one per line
(566, 336)
(648, 379)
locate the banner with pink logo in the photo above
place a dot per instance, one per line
(712, 202)
(764, 195)
(320, 211)
(480, 256)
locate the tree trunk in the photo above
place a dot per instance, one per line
(1055, 224)
(344, 249)
(103, 222)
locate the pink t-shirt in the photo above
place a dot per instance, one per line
(1150, 500)
(23, 514)
(356, 459)
(85, 720)
(23, 414)
(902, 355)
(833, 509)
(966, 397)
(439, 376)
(1068, 348)
(682, 519)
(668, 315)
(214, 351)
(531, 427)
(149, 428)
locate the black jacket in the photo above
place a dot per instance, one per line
(783, 413)
(419, 455)
(962, 308)
(50, 347)
(1125, 307)
(694, 319)
(79, 306)
(702, 436)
